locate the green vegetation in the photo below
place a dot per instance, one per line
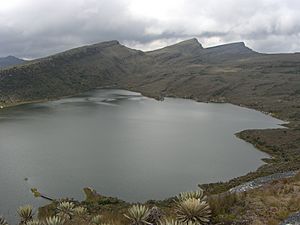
(266, 205)
(199, 194)
(191, 209)
(96, 220)
(54, 220)
(138, 214)
(65, 210)
(25, 213)
(262, 206)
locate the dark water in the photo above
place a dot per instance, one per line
(121, 144)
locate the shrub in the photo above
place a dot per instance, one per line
(25, 213)
(97, 220)
(34, 222)
(174, 222)
(80, 211)
(54, 220)
(192, 194)
(193, 210)
(66, 209)
(138, 214)
(3, 221)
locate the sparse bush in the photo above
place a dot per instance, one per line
(282, 214)
(97, 220)
(106, 224)
(174, 222)
(3, 221)
(54, 220)
(169, 222)
(25, 213)
(222, 204)
(199, 194)
(80, 211)
(294, 204)
(191, 207)
(34, 222)
(193, 210)
(66, 209)
(138, 214)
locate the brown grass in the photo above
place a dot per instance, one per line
(268, 205)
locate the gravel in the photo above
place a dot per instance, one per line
(261, 181)
(292, 220)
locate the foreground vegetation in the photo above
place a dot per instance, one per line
(189, 208)
(267, 205)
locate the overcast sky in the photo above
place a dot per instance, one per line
(36, 28)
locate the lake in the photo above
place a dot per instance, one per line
(122, 144)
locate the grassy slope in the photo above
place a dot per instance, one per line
(267, 205)
(66, 73)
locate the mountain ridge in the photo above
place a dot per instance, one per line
(183, 45)
(185, 69)
(10, 61)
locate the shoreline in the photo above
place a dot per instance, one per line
(210, 187)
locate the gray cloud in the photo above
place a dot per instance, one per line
(35, 28)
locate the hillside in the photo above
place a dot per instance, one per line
(186, 69)
(66, 73)
(229, 73)
(10, 61)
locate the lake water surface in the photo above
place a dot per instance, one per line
(121, 144)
